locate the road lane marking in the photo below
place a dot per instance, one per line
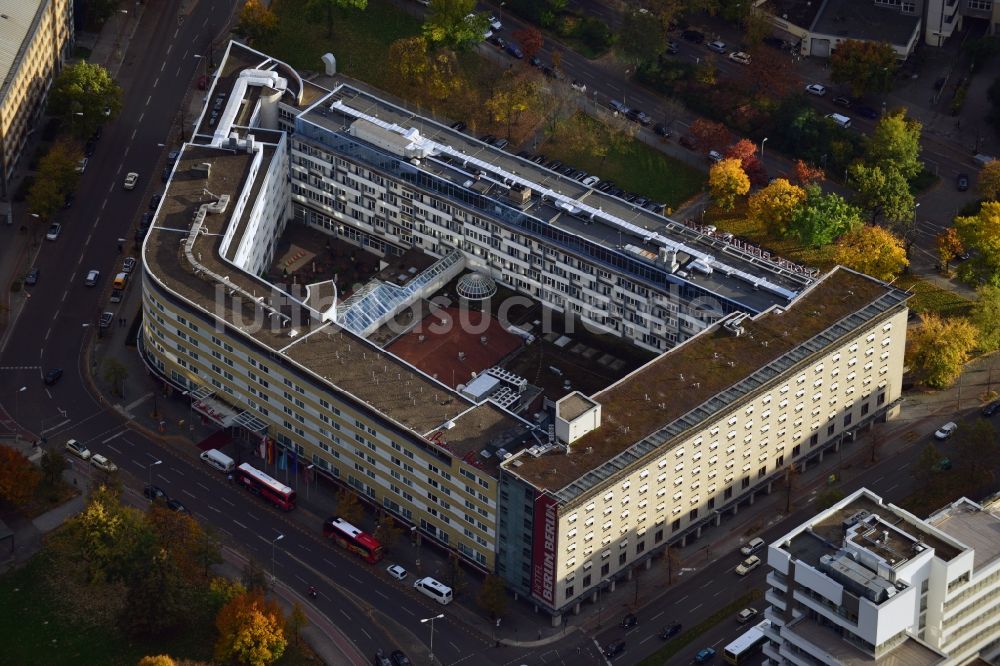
(55, 427)
(362, 630)
(656, 616)
(457, 649)
(118, 434)
(355, 579)
(149, 99)
(644, 640)
(203, 487)
(344, 613)
(189, 493)
(140, 117)
(161, 69)
(695, 608)
(305, 547)
(332, 564)
(241, 524)
(227, 501)
(65, 294)
(214, 509)
(711, 582)
(681, 599)
(132, 405)
(114, 449)
(47, 334)
(382, 594)
(133, 138)
(408, 610)
(156, 81)
(717, 593)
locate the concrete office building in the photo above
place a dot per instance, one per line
(296, 365)
(867, 582)
(35, 38)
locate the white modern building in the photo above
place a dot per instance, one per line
(866, 582)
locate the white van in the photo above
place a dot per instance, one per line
(219, 460)
(841, 120)
(439, 592)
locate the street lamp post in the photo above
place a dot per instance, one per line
(274, 545)
(149, 472)
(431, 620)
(17, 406)
(762, 142)
(308, 470)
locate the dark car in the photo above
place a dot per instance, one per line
(498, 42)
(613, 649)
(154, 493)
(688, 142)
(501, 143)
(514, 50)
(459, 126)
(693, 36)
(175, 505)
(535, 61)
(488, 139)
(672, 48)
(381, 659)
(524, 154)
(661, 130)
(638, 116)
(630, 621)
(670, 631)
(52, 376)
(400, 659)
(842, 101)
(155, 201)
(867, 112)
(992, 408)
(554, 165)
(32, 277)
(98, 133)
(147, 219)
(165, 174)
(962, 182)
(172, 156)
(89, 148)
(538, 159)
(69, 199)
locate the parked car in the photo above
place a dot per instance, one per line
(991, 409)
(704, 655)
(753, 546)
(396, 571)
(539, 159)
(495, 23)
(617, 106)
(106, 319)
(459, 126)
(501, 143)
(81, 166)
(54, 230)
(672, 48)
(661, 130)
(155, 201)
(946, 431)
(590, 181)
(488, 139)
(89, 148)
(400, 659)
(962, 182)
(153, 493)
(514, 50)
(693, 36)
(128, 265)
(498, 42)
(747, 565)
(718, 46)
(554, 165)
(176, 506)
(102, 463)
(92, 277)
(816, 89)
(78, 449)
(165, 174)
(535, 61)
(842, 101)
(131, 178)
(688, 142)
(867, 112)
(740, 57)
(32, 277)
(613, 649)
(637, 116)
(714, 156)
(116, 295)
(746, 615)
(670, 631)
(52, 376)
(630, 621)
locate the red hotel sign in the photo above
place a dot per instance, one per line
(543, 549)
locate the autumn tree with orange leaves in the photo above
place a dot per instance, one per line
(745, 151)
(949, 246)
(804, 173)
(251, 631)
(710, 135)
(18, 477)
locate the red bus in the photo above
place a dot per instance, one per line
(263, 485)
(351, 538)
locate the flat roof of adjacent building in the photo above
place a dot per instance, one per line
(706, 375)
(469, 156)
(797, 12)
(910, 652)
(864, 20)
(974, 525)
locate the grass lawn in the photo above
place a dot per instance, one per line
(737, 223)
(33, 630)
(635, 168)
(360, 39)
(928, 297)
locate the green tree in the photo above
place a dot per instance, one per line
(53, 463)
(81, 95)
(726, 182)
(823, 218)
(981, 232)
(18, 477)
(115, 373)
(884, 192)
(866, 67)
(989, 180)
(640, 39)
(938, 348)
(986, 317)
(515, 94)
(872, 250)
(949, 246)
(388, 532)
(926, 464)
(454, 23)
(297, 621)
(456, 575)
(256, 21)
(159, 598)
(492, 596)
(56, 178)
(348, 506)
(327, 8)
(110, 538)
(222, 590)
(251, 631)
(253, 577)
(895, 143)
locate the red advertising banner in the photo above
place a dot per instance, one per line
(543, 549)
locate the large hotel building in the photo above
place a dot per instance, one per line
(752, 363)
